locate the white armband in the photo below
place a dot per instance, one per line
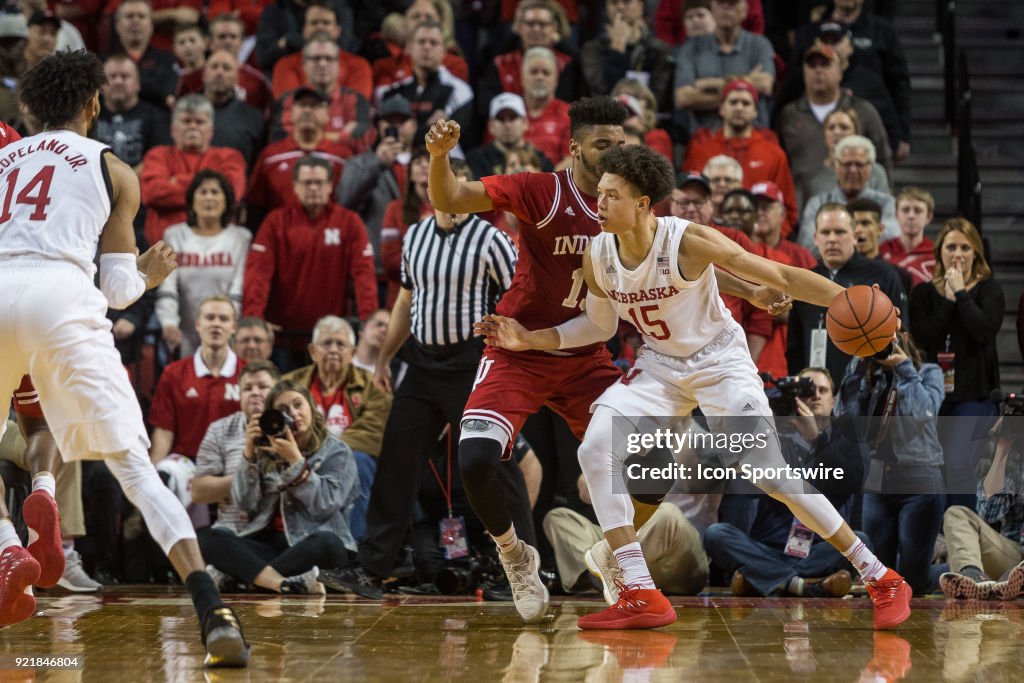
(597, 324)
(120, 279)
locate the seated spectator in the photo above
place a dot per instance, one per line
(13, 34)
(904, 503)
(757, 559)
(771, 213)
(254, 339)
(725, 174)
(295, 489)
(235, 124)
(507, 125)
(841, 262)
(912, 250)
(245, 12)
(190, 45)
(211, 253)
(705, 63)
(671, 545)
(397, 64)
(431, 89)
(800, 123)
(133, 26)
(987, 545)
(371, 340)
(626, 48)
(168, 169)
(354, 409)
(280, 30)
(253, 87)
(537, 24)
(372, 180)
(354, 72)
(68, 36)
(867, 227)
(839, 124)
(270, 185)
(548, 116)
(348, 122)
(854, 157)
(42, 31)
(222, 449)
(413, 206)
(643, 110)
(677, 20)
(130, 126)
(300, 247)
(756, 149)
(170, 14)
(191, 394)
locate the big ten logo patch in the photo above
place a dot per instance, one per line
(482, 370)
(232, 392)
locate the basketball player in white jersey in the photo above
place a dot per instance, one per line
(63, 195)
(657, 273)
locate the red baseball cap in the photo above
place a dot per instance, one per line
(740, 84)
(819, 48)
(769, 190)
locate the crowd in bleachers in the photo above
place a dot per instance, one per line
(279, 148)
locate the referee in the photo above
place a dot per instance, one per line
(454, 270)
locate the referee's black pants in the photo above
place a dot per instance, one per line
(426, 400)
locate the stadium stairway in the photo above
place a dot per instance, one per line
(990, 32)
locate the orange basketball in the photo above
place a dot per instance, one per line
(861, 321)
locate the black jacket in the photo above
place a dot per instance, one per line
(806, 317)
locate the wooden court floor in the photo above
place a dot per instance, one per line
(149, 634)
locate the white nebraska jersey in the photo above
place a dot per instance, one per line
(53, 198)
(676, 317)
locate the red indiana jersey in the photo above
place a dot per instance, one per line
(557, 222)
(26, 399)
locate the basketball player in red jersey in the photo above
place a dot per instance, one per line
(558, 218)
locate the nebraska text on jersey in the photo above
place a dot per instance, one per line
(652, 294)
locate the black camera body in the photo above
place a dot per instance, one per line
(1011, 409)
(790, 389)
(273, 423)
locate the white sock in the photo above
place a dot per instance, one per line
(44, 481)
(864, 561)
(67, 546)
(507, 542)
(8, 536)
(634, 567)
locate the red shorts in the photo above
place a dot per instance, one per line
(512, 386)
(26, 399)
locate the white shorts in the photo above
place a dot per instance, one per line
(53, 326)
(720, 378)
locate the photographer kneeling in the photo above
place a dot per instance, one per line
(296, 484)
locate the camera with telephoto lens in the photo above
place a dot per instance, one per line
(789, 389)
(1011, 410)
(273, 423)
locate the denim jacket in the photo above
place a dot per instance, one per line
(322, 502)
(919, 395)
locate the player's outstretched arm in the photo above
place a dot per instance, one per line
(702, 246)
(447, 194)
(771, 300)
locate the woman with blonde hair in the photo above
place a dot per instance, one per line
(839, 124)
(955, 319)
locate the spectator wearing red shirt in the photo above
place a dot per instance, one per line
(398, 64)
(193, 393)
(354, 72)
(348, 112)
(669, 24)
(253, 87)
(756, 149)
(915, 209)
(168, 169)
(639, 100)
(271, 183)
(247, 11)
(309, 257)
(167, 15)
(771, 214)
(537, 23)
(548, 116)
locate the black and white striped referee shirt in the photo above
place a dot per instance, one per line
(456, 277)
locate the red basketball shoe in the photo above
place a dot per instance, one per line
(636, 608)
(18, 571)
(43, 522)
(891, 598)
